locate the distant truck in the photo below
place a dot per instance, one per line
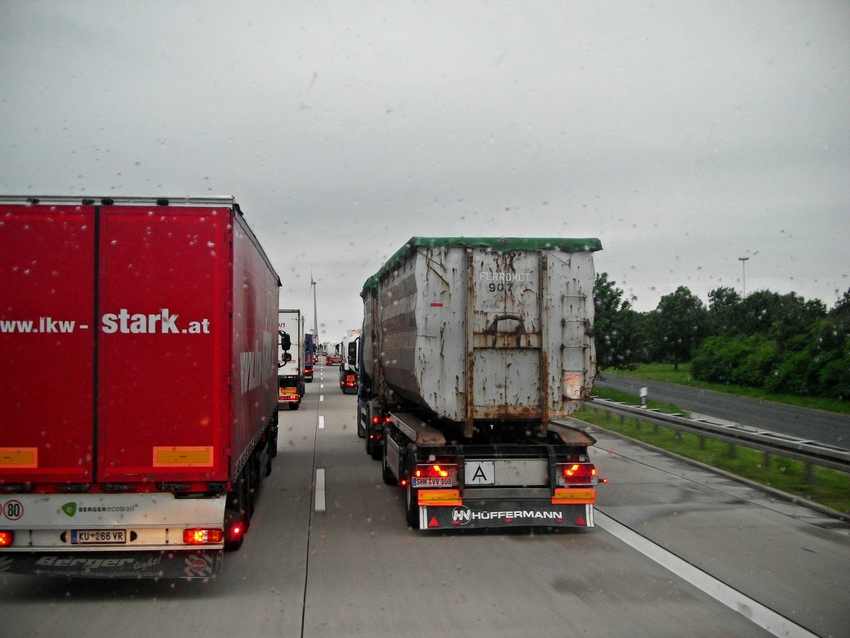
(348, 349)
(475, 351)
(290, 373)
(138, 340)
(309, 356)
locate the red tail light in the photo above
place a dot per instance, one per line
(235, 531)
(434, 475)
(577, 474)
(7, 537)
(202, 536)
(376, 420)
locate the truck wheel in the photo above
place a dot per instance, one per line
(411, 507)
(388, 476)
(273, 443)
(376, 450)
(294, 406)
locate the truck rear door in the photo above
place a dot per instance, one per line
(507, 334)
(164, 345)
(47, 327)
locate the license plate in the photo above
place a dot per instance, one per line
(99, 536)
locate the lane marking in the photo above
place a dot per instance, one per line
(321, 422)
(735, 600)
(322, 386)
(321, 397)
(320, 489)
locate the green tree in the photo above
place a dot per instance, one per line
(723, 304)
(682, 323)
(615, 325)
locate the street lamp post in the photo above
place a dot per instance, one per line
(315, 316)
(744, 261)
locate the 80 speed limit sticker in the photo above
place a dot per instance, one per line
(13, 510)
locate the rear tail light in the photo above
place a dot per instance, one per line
(434, 475)
(576, 474)
(7, 537)
(382, 420)
(235, 531)
(203, 536)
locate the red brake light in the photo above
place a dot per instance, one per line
(577, 474)
(7, 537)
(376, 420)
(202, 536)
(235, 531)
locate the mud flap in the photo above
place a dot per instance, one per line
(493, 513)
(186, 565)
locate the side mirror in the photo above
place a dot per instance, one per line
(287, 357)
(285, 342)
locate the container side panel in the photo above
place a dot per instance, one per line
(398, 294)
(254, 346)
(46, 342)
(163, 343)
(440, 317)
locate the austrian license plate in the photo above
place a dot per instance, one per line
(99, 537)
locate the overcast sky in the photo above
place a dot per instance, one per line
(682, 134)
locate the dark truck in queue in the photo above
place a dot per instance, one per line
(474, 353)
(309, 356)
(139, 450)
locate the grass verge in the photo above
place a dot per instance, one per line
(829, 487)
(665, 372)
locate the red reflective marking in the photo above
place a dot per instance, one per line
(580, 520)
(436, 304)
(433, 522)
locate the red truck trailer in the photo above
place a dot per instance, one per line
(139, 384)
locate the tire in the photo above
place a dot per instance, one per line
(272, 445)
(368, 445)
(386, 473)
(361, 432)
(294, 406)
(411, 507)
(376, 450)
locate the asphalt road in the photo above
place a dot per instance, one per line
(357, 570)
(816, 425)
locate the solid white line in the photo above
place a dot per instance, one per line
(321, 397)
(320, 489)
(762, 616)
(321, 422)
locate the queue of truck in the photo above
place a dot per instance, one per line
(170, 359)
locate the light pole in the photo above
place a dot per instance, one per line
(744, 261)
(315, 316)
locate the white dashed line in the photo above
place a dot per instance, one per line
(321, 422)
(321, 397)
(764, 617)
(320, 489)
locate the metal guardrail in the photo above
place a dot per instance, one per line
(810, 452)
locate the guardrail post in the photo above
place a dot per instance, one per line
(701, 442)
(810, 472)
(622, 420)
(766, 461)
(733, 450)
(677, 434)
(637, 424)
